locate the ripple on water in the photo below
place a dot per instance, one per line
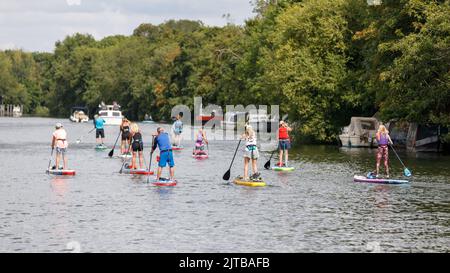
(316, 208)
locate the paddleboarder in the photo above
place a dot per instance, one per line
(99, 130)
(251, 153)
(59, 139)
(137, 146)
(125, 131)
(162, 141)
(200, 142)
(284, 143)
(383, 140)
(177, 129)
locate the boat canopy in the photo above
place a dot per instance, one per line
(80, 108)
(361, 125)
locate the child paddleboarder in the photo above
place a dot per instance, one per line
(200, 142)
(383, 140)
(177, 129)
(137, 146)
(251, 153)
(99, 130)
(162, 141)
(284, 143)
(59, 140)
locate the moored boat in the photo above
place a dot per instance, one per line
(111, 114)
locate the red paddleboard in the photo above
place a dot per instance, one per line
(200, 156)
(163, 182)
(61, 172)
(177, 148)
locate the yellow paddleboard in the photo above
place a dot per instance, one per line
(249, 183)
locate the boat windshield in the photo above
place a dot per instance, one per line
(368, 125)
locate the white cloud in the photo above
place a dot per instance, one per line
(7, 46)
(37, 25)
(73, 2)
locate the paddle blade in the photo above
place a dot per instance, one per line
(267, 165)
(227, 175)
(407, 172)
(111, 153)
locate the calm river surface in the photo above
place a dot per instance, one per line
(317, 208)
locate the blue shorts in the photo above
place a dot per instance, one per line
(284, 144)
(166, 157)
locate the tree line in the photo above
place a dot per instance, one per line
(322, 61)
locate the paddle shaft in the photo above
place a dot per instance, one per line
(112, 150)
(50, 159)
(125, 161)
(151, 156)
(392, 147)
(235, 152)
(79, 140)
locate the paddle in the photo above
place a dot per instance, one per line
(150, 163)
(267, 165)
(50, 159)
(111, 153)
(125, 161)
(406, 171)
(227, 175)
(79, 140)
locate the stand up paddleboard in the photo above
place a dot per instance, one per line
(283, 169)
(200, 156)
(249, 183)
(60, 172)
(137, 171)
(125, 156)
(100, 147)
(360, 178)
(177, 148)
(164, 182)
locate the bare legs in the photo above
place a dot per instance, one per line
(172, 173)
(254, 167)
(58, 155)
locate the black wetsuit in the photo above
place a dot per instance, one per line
(125, 132)
(137, 144)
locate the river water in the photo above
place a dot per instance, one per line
(317, 208)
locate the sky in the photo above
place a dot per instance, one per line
(35, 25)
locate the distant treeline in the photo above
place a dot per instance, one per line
(322, 61)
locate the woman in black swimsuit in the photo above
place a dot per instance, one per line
(125, 130)
(137, 146)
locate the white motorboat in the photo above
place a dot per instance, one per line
(79, 114)
(360, 133)
(111, 114)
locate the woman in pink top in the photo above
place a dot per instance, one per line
(60, 141)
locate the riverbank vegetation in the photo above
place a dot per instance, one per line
(321, 61)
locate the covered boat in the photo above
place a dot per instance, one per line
(360, 133)
(79, 114)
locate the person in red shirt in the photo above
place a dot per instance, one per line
(284, 143)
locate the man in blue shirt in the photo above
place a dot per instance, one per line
(100, 131)
(162, 141)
